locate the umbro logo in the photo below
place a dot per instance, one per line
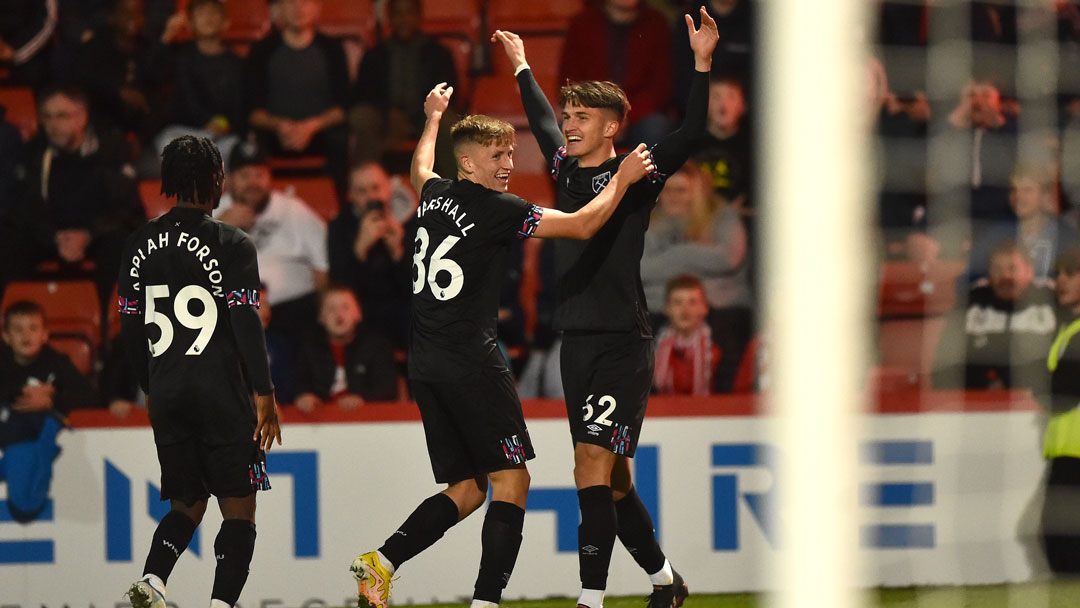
(594, 428)
(590, 550)
(601, 181)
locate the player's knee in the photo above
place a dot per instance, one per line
(194, 511)
(237, 508)
(511, 485)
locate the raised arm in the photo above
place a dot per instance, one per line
(542, 120)
(423, 160)
(673, 150)
(583, 223)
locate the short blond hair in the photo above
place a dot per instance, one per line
(482, 130)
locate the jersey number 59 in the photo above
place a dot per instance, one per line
(205, 321)
(437, 264)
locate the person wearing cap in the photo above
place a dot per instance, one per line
(1061, 443)
(290, 239)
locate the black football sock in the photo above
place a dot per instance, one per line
(424, 526)
(637, 534)
(170, 539)
(501, 539)
(233, 547)
(596, 535)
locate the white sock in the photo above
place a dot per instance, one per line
(390, 567)
(155, 582)
(483, 604)
(663, 576)
(218, 604)
(593, 598)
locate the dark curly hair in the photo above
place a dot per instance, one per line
(191, 170)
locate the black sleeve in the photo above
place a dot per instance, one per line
(132, 327)
(513, 216)
(242, 284)
(542, 120)
(672, 151)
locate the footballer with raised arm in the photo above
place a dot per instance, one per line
(188, 296)
(473, 422)
(607, 350)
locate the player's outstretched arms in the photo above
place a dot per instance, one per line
(542, 121)
(703, 40)
(423, 160)
(267, 426)
(583, 223)
(673, 150)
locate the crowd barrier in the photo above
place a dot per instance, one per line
(949, 487)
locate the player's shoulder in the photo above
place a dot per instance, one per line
(435, 187)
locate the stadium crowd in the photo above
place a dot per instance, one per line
(91, 91)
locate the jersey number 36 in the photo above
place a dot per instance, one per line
(205, 321)
(437, 264)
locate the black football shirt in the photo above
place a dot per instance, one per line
(463, 230)
(180, 274)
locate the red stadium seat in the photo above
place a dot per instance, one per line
(77, 349)
(71, 307)
(348, 18)
(21, 109)
(549, 16)
(908, 347)
(154, 202)
(317, 192)
(909, 289)
(450, 16)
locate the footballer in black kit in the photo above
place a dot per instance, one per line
(188, 293)
(607, 349)
(473, 421)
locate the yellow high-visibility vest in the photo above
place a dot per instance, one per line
(1062, 436)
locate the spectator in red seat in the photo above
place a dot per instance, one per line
(298, 88)
(38, 387)
(394, 77)
(628, 43)
(81, 196)
(350, 363)
(686, 356)
(1001, 339)
(694, 231)
(290, 239)
(371, 252)
(207, 98)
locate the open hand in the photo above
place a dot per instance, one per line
(637, 164)
(267, 428)
(438, 100)
(513, 45)
(703, 39)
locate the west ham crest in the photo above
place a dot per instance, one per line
(601, 181)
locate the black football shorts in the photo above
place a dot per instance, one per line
(191, 471)
(474, 426)
(607, 377)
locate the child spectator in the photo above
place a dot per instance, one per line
(686, 357)
(348, 364)
(693, 231)
(207, 98)
(38, 387)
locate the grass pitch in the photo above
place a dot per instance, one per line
(1057, 594)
